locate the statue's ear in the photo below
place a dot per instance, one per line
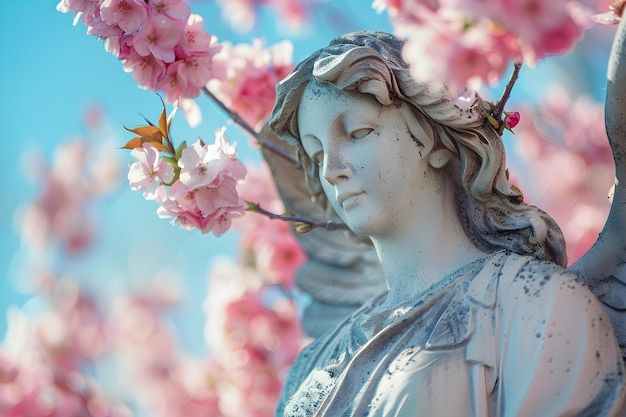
(421, 133)
(424, 137)
(439, 158)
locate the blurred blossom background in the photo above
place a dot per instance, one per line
(107, 308)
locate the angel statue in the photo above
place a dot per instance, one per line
(447, 295)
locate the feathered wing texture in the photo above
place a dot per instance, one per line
(603, 267)
(341, 273)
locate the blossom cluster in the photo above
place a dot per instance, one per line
(266, 245)
(470, 42)
(45, 360)
(250, 74)
(41, 361)
(160, 41)
(60, 214)
(201, 179)
(251, 328)
(254, 330)
(571, 168)
(84, 353)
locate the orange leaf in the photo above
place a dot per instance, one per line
(133, 143)
(144, 131)
(163, 124)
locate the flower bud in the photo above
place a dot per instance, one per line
(511, 120)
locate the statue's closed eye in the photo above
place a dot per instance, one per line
(361, 133)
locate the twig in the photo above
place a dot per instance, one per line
(262, 139)
(497, 111)
(311, 223)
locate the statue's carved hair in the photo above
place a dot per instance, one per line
(491, 209)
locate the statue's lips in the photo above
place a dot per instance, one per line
(346, 197)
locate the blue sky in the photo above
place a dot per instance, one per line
(51, 70)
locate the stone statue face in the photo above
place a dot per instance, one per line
(370, 167)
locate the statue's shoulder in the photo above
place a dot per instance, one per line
(509, 278)
(547, 327)
(513, 288)
(542, 286)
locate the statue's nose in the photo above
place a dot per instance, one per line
(336, 169)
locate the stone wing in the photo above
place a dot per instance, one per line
(603, 267)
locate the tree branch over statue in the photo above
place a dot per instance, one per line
(176, 56)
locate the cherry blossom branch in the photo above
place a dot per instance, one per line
(499, 108)
(262, 139)
(302, 224)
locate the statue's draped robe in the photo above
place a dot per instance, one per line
(504, 336)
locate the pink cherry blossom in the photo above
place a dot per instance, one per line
(544, 15)
(251, 74)
(59, 212)
(158, 37)
(127, 14)
(571, 164)
(293, 12)
(553, 40)
(440, 47)
(40, 374)
(279, 255)
(235, 168)
(148, 71)
(100, 28)
(173, 87)
(193, 68)
(271, 245)
(211, 199)
(206, 196)
(254, 332)
(161, 42)
(201, 164)
(165, 383)
(186, 77)
(72, 331)
(261, 330)
(79, 7)
(195, 41)
(149, 171)
(135, 323)
(174, 9)
(474, 40)
(220, 221)
(181, 207)
(30, 387)
(259, 187)
(53, 216)
(120, 46)
(182, 387)
(209, 209)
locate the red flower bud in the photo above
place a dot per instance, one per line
(511, 120)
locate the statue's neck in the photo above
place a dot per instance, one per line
(424, 252)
